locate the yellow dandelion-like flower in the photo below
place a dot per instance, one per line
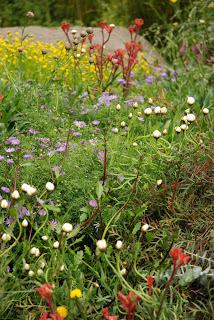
(173, 1)
(76, 293)
(62, 311)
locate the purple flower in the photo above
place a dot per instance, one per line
(5, 189)
(8, 221)
(10, 161)
(79, 124)
(95, 122)
(164, 75)
(2, 158)
(44, 142)
(40, 201)
(56, 168)
(77, 134)
(23, 211)
(53, 224)
(150, 79)
(106, 99)
(93, 203)
(61, 146)
(100, 155)
(122, 81)
(114, 130)
(27, 156)
(42, 212)
(32, 131)
(13, 141)
(10, 150)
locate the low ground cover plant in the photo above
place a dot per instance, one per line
(106, 186)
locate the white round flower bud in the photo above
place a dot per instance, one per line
(123, 124)
(24, 223)
(184, 127)
(40, 272)
(184, 118)
(42, 263)
(45, 238)
(135, 105)
(130, 115)
(157, 110)
(15, 195)
(24, 187)
(190, 117)
(73, 31)
(156, 134)
(178, 129)
(112, 25)
(4, 204)
(118, 107)
(83, 50)
(159, 182)
(31, 191)
(56, 245)
(164, 110)
(139, 114)
(78, 55)
(35, 251)
(119, 245)
(164, 131)
(6, 237)
(187, 111)
(190, 100)
(26, 266)
(67, 227)
(150, 100)
(205, 110)
(31, 273)
(62, 268)
(123, 272)
(134, 144)
(50, 186)
(148, 111)
(145, 227)
(102, 245)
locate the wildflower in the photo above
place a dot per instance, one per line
(135, 105)
(134, 144)
(138, 23)
(123, 272)
(173, 1)
(145, 227)
(31, 273)
(159, 182)
(102, 245)
(50, 186)
(190, 117)
(157, 110)
(62, 311)
(76, 293)
(164, 131)
(65, 26)
(93, 203)
(30, 14)
(150, 281)
(62, 268)
(129, 303)
(123, 124)
(35, 251)
(24, 223)
(107, 316)
(12, 141)
(45, 238)
(178, 129)
(130, 115)
(67, 227)
(4, 204)
(184, 126)
(163, 110)
(190, 100)
(26, 266)
(156, 134)
(46, 292)
(119, 245)
(148, 111)
(205, 110)
(15, 195)
(118, 107)
(6, 237)
(114, 130)
(56, 245)
(40, 272)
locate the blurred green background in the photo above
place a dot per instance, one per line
(88, 12)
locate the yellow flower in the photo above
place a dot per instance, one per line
(62, 311)
(76, 293)
(173, 1)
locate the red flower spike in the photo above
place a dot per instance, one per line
(150, 281)
(45, 291)
(44, 316)
(105, 26)
(65, 26)
(131, 29)
(175, 253)
(56, 316)
(138, 23)
(129, 303)
(1, 97)
(106, 315)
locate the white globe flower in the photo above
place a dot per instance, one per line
(148, 111)
(123, 272)
(187, 111)
(139, 114)
(130, 115)
(24, 223)
(184, 126)
(135, 105)
(15, 195)
(40, 272)
(119, 245)
(118, 107)
(4, 204)
(73, 31)
(50, 186)
(31, 273)
(112, 25)
(102, 245)
(134, 144)
(62, 268)
(24, 187)
(45, 238)
(205, 110)
(190, 100)
(150, 100)
(159, 182)
(190, 117)
(35, 251)
(164, 110)
(56, 245)
(157, 110)
(178, 129)
(31, 191)
(6, 237)
(145, 227)
(184, 118)
(26, 266)
(156, 134)
(123, 124)
(67, 227)
(164, 131)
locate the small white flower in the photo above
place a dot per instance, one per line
(159, 182)
(102, 245)
(157, 110)
(83, 50)
(190, 117)
(148, 111)
(150, 100)
(156, 134)
(50, 186)
(187, 111)
(205, 110)
(145, 227)
(31, 191)
(202, 21)
(73, 31)
(118, 107)
(15, 194)
(130, 115)
(45, 238)
(6, 237)
(31, 273)
(62, 268)
(115, 130)
(190, 100)
(134, 144)
(184, 127)
(4, 204)
(123, 124)
(139, 114)
(184, 118)
(119, 245)
(42, 263)
(164, 131)
(35, 251)
(40, 272)
(24, 223)
(67, 227)
(123, 272)
(135, 105)
(164, 110)
(24, 187)
(178, 129)
(56, 245)
(78, 55)
(26, 266)
(112, 25)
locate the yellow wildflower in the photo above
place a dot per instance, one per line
(76, 293)
(62, 311)
(173, 1)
